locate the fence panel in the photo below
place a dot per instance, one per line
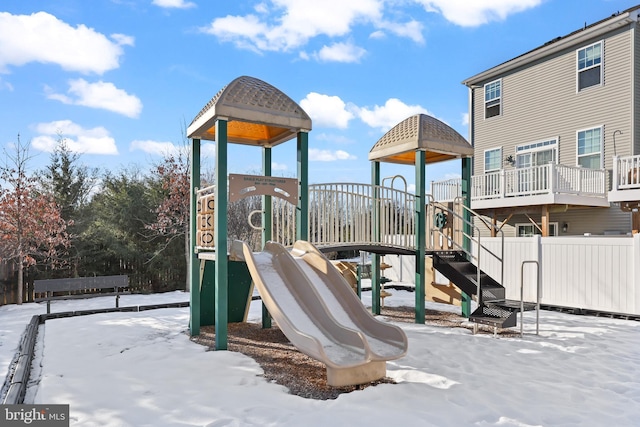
(595, 273)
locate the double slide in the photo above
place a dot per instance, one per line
(320, 314)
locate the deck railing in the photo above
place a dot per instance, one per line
(446, 191)
(545, 179)
(626, 173)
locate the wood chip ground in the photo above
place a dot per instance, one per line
(300, 374)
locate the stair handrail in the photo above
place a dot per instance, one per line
(461, 247)
(522, 295)
(499, 258)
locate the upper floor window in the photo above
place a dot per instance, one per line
(590, 66)
(492, 98)
(492, 160)
(590, 148)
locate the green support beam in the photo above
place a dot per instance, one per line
(302, 211)
(267, 222)
(375, 261)
(194, 264)
(467, 230)
(421, 234)
(220, 225)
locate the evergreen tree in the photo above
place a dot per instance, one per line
(71, 185)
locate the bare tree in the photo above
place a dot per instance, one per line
(31, 226)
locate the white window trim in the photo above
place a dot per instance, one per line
(484, 159)
(556, 146)
(528, 224)
(601, 127)
(601, 65)
(484, 99)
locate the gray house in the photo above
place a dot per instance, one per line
(556, 134)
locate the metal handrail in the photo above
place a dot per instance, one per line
(393, 178)
(522, 296)
(500, 258)
(460, 247)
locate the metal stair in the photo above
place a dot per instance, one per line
(493, 309)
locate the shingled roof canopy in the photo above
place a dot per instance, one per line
(257, 114)
(420, 133)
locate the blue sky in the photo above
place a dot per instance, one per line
(121, 79)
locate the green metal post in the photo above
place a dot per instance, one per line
(421, 234)
(466, 242)
(194, 264)
(375, 261)
(267, 222)
(220, 224)
(302, 217)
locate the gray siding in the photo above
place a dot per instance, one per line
(597, 221)
(541, 101)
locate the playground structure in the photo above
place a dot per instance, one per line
(300, 288)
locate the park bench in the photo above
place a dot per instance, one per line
(80, 287)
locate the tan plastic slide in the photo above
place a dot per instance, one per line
(319, 313)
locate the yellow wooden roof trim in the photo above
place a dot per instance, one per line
(420, 132)
(257, 114)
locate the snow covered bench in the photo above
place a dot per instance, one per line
(80, 287)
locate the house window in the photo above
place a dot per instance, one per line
(590, 66)
(537, 153)
(590, 148)
(492, 160)
(528, 230)
(492, 98)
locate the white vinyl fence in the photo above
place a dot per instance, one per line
(594, 273)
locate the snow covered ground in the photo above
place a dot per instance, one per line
(140, 369)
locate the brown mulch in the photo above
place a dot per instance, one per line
(302, 375)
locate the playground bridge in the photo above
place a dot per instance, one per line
(382, 220)
(356, 216)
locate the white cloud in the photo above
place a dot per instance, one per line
(285, 25)
(316, 155)
(175, 4)
(341, 52)
(278, 166)
(326, 110)
(411, 30)
(390, 114)
(208, 150)
(86, 141)
(282, 25)
(123, 39)
(465, 119)
(101, 94)
(163, 149)
(43, 38)
(477, 12)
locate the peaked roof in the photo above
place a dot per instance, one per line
(257, 114)
(420, 133)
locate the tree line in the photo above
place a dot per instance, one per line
(69, 220)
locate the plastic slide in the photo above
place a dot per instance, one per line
(319, 313)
